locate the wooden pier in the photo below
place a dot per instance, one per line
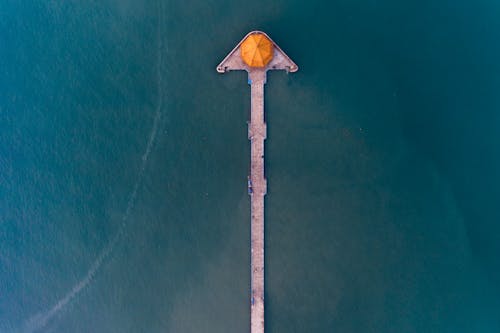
(257, 183)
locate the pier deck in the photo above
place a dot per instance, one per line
(257, 133)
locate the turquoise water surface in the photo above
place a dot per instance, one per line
(124, 157)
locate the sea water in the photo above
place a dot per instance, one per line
(124, 157)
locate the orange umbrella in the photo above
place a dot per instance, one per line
(257, 50)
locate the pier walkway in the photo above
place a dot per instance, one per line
(257, 133)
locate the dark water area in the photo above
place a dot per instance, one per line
(124, 157)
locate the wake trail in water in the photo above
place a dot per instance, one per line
(40, 320)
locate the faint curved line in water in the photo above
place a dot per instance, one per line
(41, 319)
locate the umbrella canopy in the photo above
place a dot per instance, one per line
(257, 50)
